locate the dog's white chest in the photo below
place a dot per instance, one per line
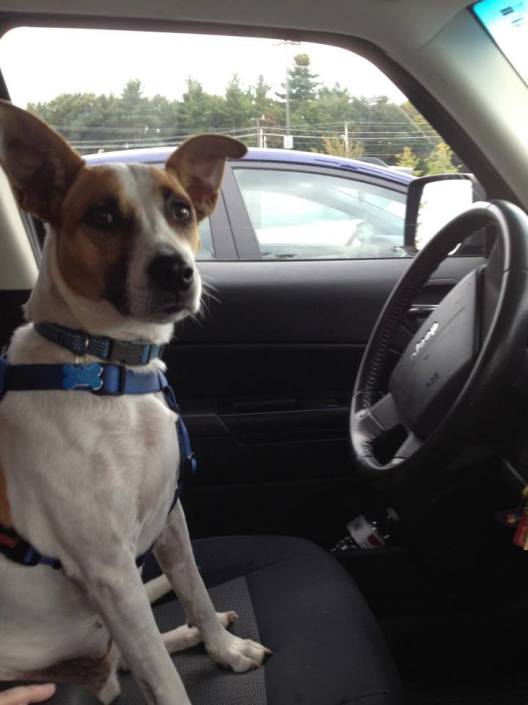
(82, 472)
(98, 461)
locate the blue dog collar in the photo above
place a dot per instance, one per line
(80, 343)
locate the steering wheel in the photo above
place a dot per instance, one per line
(471, 348)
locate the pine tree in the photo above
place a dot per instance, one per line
(133, 108)
(238, 104)
(261, 102)
(302, 84)
(199, 110)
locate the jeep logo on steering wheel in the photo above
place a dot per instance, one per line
(425, 339)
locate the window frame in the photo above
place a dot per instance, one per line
(221, 235)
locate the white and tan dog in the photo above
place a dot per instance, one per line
(90, 479)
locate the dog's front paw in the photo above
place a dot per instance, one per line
(239, 655)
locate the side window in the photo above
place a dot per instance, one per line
(333, 142)
(206, 248)
(303, 215)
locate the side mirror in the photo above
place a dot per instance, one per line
(432, 201)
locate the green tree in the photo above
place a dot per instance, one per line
(162, 115)
(303, 83)
(87, 120)
(301, 92)
(408, 159)
(334, 105)
(238, 104)
(440, 160)
(337, 147)
(133, 108)
(199, 110)
(375, 126)
(264, 106)
(262, 103)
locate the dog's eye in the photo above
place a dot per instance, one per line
(101, 217)
(178, 211)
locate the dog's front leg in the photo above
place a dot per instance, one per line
(174, 553)
(122, 602)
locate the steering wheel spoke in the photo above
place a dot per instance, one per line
(408, 448)
(375, 421)
(385, 413)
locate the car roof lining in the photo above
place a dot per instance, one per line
(276, 16)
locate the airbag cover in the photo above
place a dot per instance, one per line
(433, 367)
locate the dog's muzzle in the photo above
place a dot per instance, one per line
(170, 273)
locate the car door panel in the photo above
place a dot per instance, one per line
(273, 363)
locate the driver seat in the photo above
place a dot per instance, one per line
(297, 600)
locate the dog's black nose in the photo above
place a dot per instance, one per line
(171, 273)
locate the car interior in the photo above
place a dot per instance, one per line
(284, 378)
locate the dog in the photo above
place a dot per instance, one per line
(88, 479)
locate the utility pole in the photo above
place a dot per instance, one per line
(287, 84)
(288, 139)
(260, 141)
(259, 133)
(345, 136)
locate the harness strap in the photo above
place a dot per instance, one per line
(17, 549)
(135, 352)
(100, 379)
(97, 377)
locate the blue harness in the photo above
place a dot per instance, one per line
(100, 379)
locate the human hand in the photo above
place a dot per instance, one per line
(26, 694)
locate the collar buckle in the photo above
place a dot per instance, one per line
(130, 353)
(133, 353)
(114, 381)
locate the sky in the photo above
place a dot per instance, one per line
(40, 63)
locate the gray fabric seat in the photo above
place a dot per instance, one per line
(297, 600)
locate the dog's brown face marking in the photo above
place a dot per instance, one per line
(174, 196)
(89, 246)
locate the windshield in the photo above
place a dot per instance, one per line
(507, 22)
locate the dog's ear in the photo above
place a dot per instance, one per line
(199, 165)
(39, 163)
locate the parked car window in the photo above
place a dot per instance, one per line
(207, 247)
(301, 215)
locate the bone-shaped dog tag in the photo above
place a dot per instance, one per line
(90, 376)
